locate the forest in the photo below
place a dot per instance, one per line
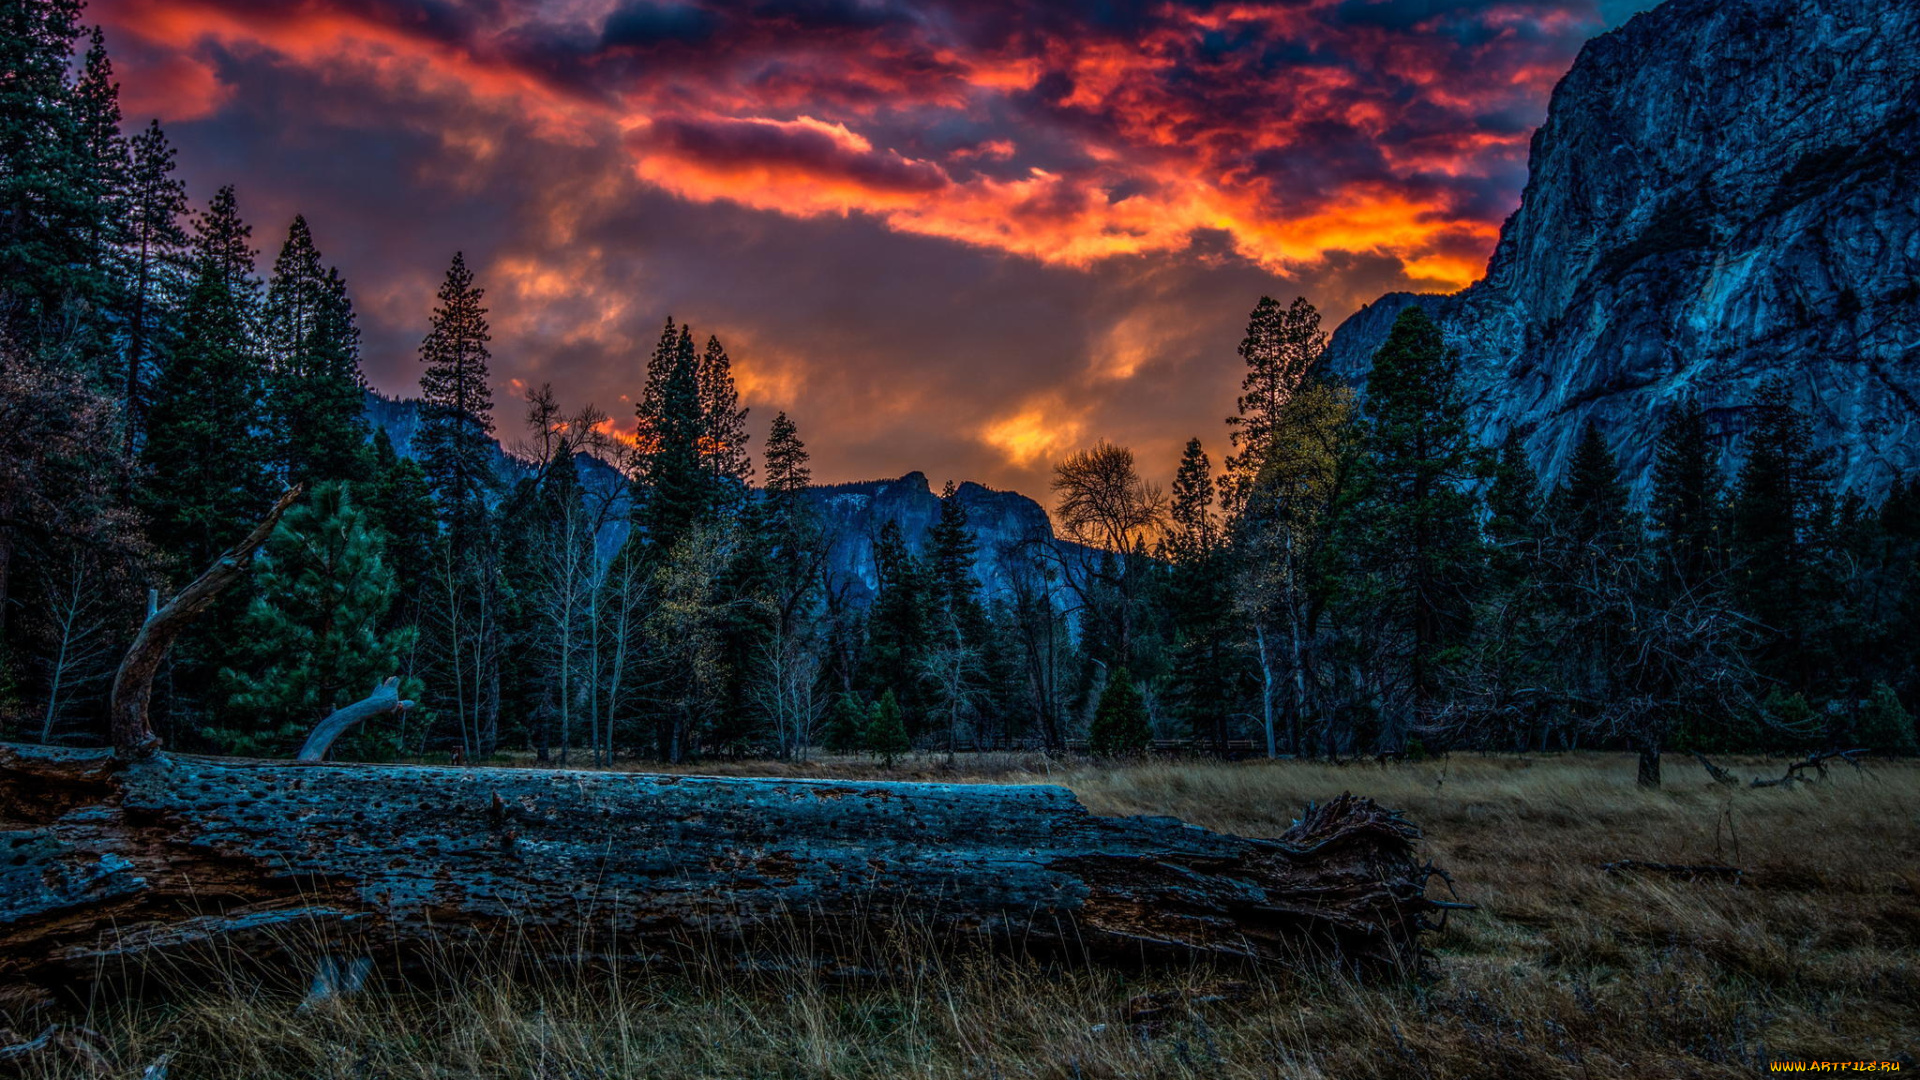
(1357, 577)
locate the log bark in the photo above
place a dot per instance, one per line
(384, 699)
(133, 684)
(104, 861)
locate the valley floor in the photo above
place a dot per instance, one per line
(1565, 969)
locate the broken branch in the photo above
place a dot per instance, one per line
(384, 699)
(133, 736)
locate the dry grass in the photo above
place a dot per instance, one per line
(1565, 971)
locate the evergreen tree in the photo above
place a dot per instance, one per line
(52, 215)
(1885, 724)
(1282, 345)
(955, 589)
(846, 724)
(1410, 536)
(1590, 506)
(899, 630)
(156, 254)
(886, 734)
(453, 443)
(1778, 516)
(315, 637)
(316, 411)
(1685, 505)
(206, 479)
(678, 491)
(1120, 727)
(96, 108)
(791, 527)
(399, 505)
(723, 436)
(786, 459)
(1199, 603)
(1194, 530)
(1513, 499)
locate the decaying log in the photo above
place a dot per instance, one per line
(133, 684)
(384, 699)
(105, 860)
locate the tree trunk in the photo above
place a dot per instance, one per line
(133, 684)
(1649, 763)
(1266, 688)
(180, 858)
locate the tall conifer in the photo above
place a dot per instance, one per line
(453, 443)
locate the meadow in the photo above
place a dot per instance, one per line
(1564, 969)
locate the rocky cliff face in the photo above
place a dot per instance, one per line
(1724, 190)
(850, 514)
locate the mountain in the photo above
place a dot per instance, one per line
(1002, 523)
(1723, 191)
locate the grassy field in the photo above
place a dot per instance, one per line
(1564, 971)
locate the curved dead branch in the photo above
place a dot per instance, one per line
(133, 736)
(384, 699)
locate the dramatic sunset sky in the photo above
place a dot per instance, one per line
(965, 238)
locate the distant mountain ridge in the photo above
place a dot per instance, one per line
(1723, 191)
(851, 513)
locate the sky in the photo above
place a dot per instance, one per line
(966, 238)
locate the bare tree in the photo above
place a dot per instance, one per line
(78, 608)
(787, 685)
(1280, 528)
(1105, 505)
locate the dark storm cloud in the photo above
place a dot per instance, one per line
(964, 238)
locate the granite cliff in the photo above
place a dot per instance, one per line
(1723, 191)
(850, 514)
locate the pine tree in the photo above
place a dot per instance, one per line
(399, 505)
(846, 724)
(1590, 506)
(156, 248)
(792, 530)
(1778, 515)
(955, 588)
(723, 436)
(1885, 724)
(315, 637)
(1685, 505)
(1513, 499)
(1410, 537)
(52, 216)
(899, 630)
(1120, 727)
(1281, 347)
(206, 478)
(677, 489)
(453, 443)
(886, 734)
(1194, 531)
(96, 106)
(316, 411)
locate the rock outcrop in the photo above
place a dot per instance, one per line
(1005, 525)
(1724, 191)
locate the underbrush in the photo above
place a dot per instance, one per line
(1566, 969)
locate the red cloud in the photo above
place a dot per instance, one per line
(1296, 129)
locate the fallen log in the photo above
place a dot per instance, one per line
(105, 860)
